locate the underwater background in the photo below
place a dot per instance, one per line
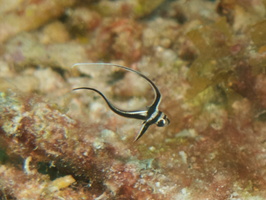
(208, 59)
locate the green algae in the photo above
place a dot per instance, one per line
(214, 64)
(225, 59)
(3, 156)
(145, 7)
(257, 33)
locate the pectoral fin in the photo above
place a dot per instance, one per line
(143, 129)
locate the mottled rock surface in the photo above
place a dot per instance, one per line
(206, 57)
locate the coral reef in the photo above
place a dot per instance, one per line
(208, 59)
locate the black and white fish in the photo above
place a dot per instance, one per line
(151, 115)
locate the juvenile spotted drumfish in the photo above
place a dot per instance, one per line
(151, 115)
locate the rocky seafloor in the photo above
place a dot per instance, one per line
(208, 59)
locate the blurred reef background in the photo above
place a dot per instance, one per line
(208, 59)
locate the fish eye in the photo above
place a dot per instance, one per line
(161, 123)
(164, 121)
